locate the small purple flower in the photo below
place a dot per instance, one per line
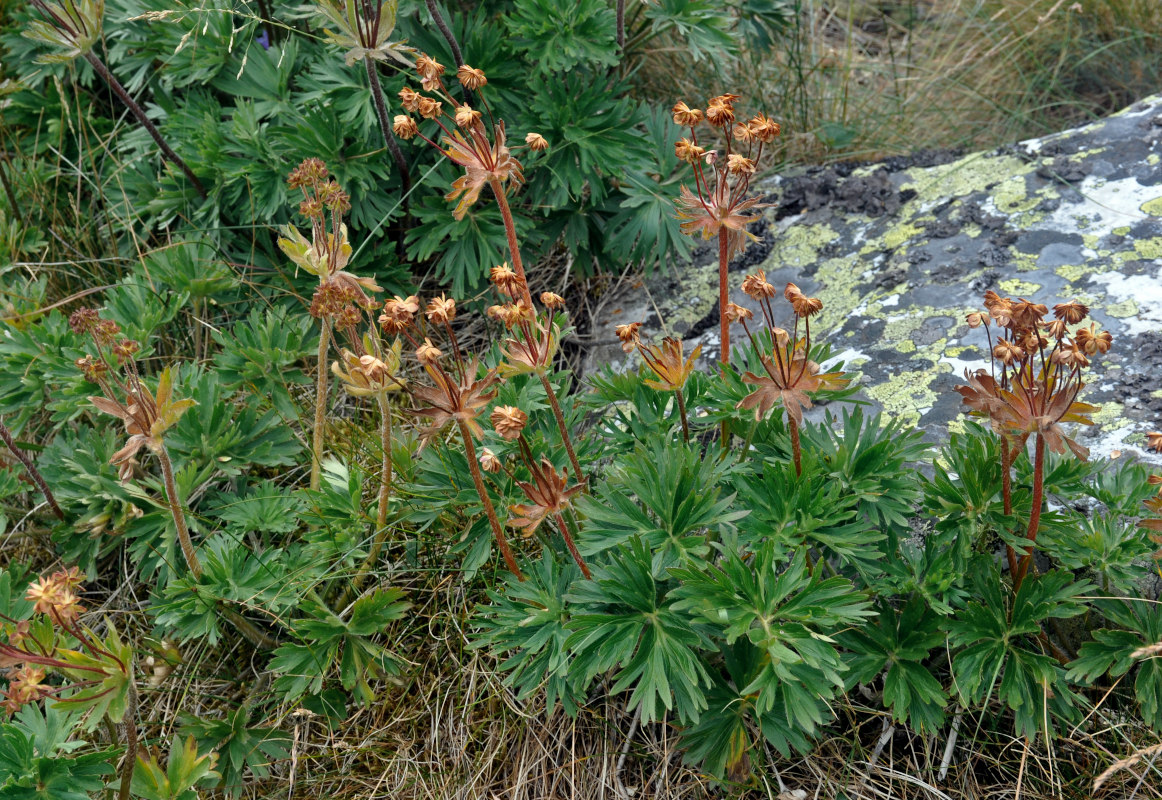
(263, 39)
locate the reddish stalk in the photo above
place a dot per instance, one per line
(1007, 495)
(130, 762)
(796, 449)
(320, 405)
(510, 233)
(33, 472)
(723, 322)
(489, 510)
(561, 425)
(179, 517)
(682, 413)
(572, 546)
(1035, 513)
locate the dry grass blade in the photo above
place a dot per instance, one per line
(1150, 752)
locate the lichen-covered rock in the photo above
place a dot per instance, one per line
(902, 250)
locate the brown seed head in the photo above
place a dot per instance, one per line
(687, 151)
(735, 312)
(429, 108)
(741, 133)
(310, 172)
(805, 307)
(686, 116)
(1027, 314)
(1072, 312)
(441, 310)
(1006, 352)
(502, 313)
(506, 280)
(410, 99)
(428, 67)
(757, 286)
(84, 320)
(466, 116)
(553, 301)
(536, 142)
(509, 421)
(719, 113)
(1154, 441)
(791, 291)
(1058, 328)
(398, 314)
(1092, 341)
(628, 334)
(125, 349)
(311, 208)
(91, 368)
(1032, 341)
(975, 319)
(764, 129)
(105, 332)
(470, 77)
(404, 126)
(522, 312)
(739, 165)
(428, 353)
(488, 461)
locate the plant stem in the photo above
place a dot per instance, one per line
(682, 414)
(356, 583)
(510, 232)
(438, 18)
(33, 472)
(320, 405)
(723, 322)
(621, 26)
(1035, 512)
(561, 426)
(139, 113)
(572, 546)
(796, 449)
(497, 530)
(130, 760)
(1007, 495)
(385, 128)
(179, 517)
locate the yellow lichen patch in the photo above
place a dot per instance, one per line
(1023, 262)
(1152, 207)
(1123, 310)
(969, 175)
(893, 238)
(1149, 247)
(903, 396)
(1125, 229)
(798, 245)
(1011, 196)
(837, 291)
(1019, 288)
(1108, 416)
(1072, 272)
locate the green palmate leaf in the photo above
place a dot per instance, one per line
(527, 625)
(241, 747)
(896, 645)
(327, 642)
(1112, 551)
(559, 38)
(111, 673)
(26, 773)
(668, 495)
(1117, 652)
(185, 769)
(264, 354)
(628, 626)
(781, 609)
(1000, 654)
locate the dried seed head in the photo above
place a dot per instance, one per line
(1033, 341)
(470, 77)
(429, 108)
(975, 319)
(1006, 352)
(628, 334)
(536, 142)
(739, 165)
(509, 421)
(719, 113)
(686, 116)
(741, 132)
(1069, 357)
(84, 320)
(398, 314)
(805, 307)
(466, 116)
(404, 126)
(522, 312)
(410, 99)
(488, 461)
(553, 301)
(764, 129)
(1057, 329)
(334, 198)
(1027, 314)
(91, 368)
(791, 291)
(1072, 312)
(757, 286)
(125, 349)
(506, 280)
(1092, 341)
(441, 310)
(105, 332)
(309, 173)
(735, 312)
(311, 208)
(502, 313)
(428, 67)
(687, 151)
(1154, 441)
(428, 353)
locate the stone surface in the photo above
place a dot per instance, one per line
(902, 250)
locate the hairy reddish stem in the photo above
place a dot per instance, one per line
(572, 546)
(179, 516)
(33, 472)
(723, 322)
(510, 233)
(489, 510)
(796, 448)
(1035, 513)
(385, 127)
(1007, 496)
(320, 405)
(130, 761)
(563, 428)
(682, 414)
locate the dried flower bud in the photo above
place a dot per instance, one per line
(1058, 328)
(509, 421)
(428, 353)
(466, 116)
(404, 126)
(428, 67)
(536, 142)
(470, 77)
(757, 286)
(410, 99)
(506, 280)
(429, 108)
(764, 129)
(105, 331)
(710, 157)
(741, 132)
(1154, 441)
(1027, 314)
(91, 368)
(1072, 312)
(1006, 352)
(84, 320)
(441, 310)
(553, 301)
(125, 349)
(628, 334)
(687, 151)
(805, 307)
(739, 165)
(735, 312)
(686, 116)
(975, 319)
(488, 461)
